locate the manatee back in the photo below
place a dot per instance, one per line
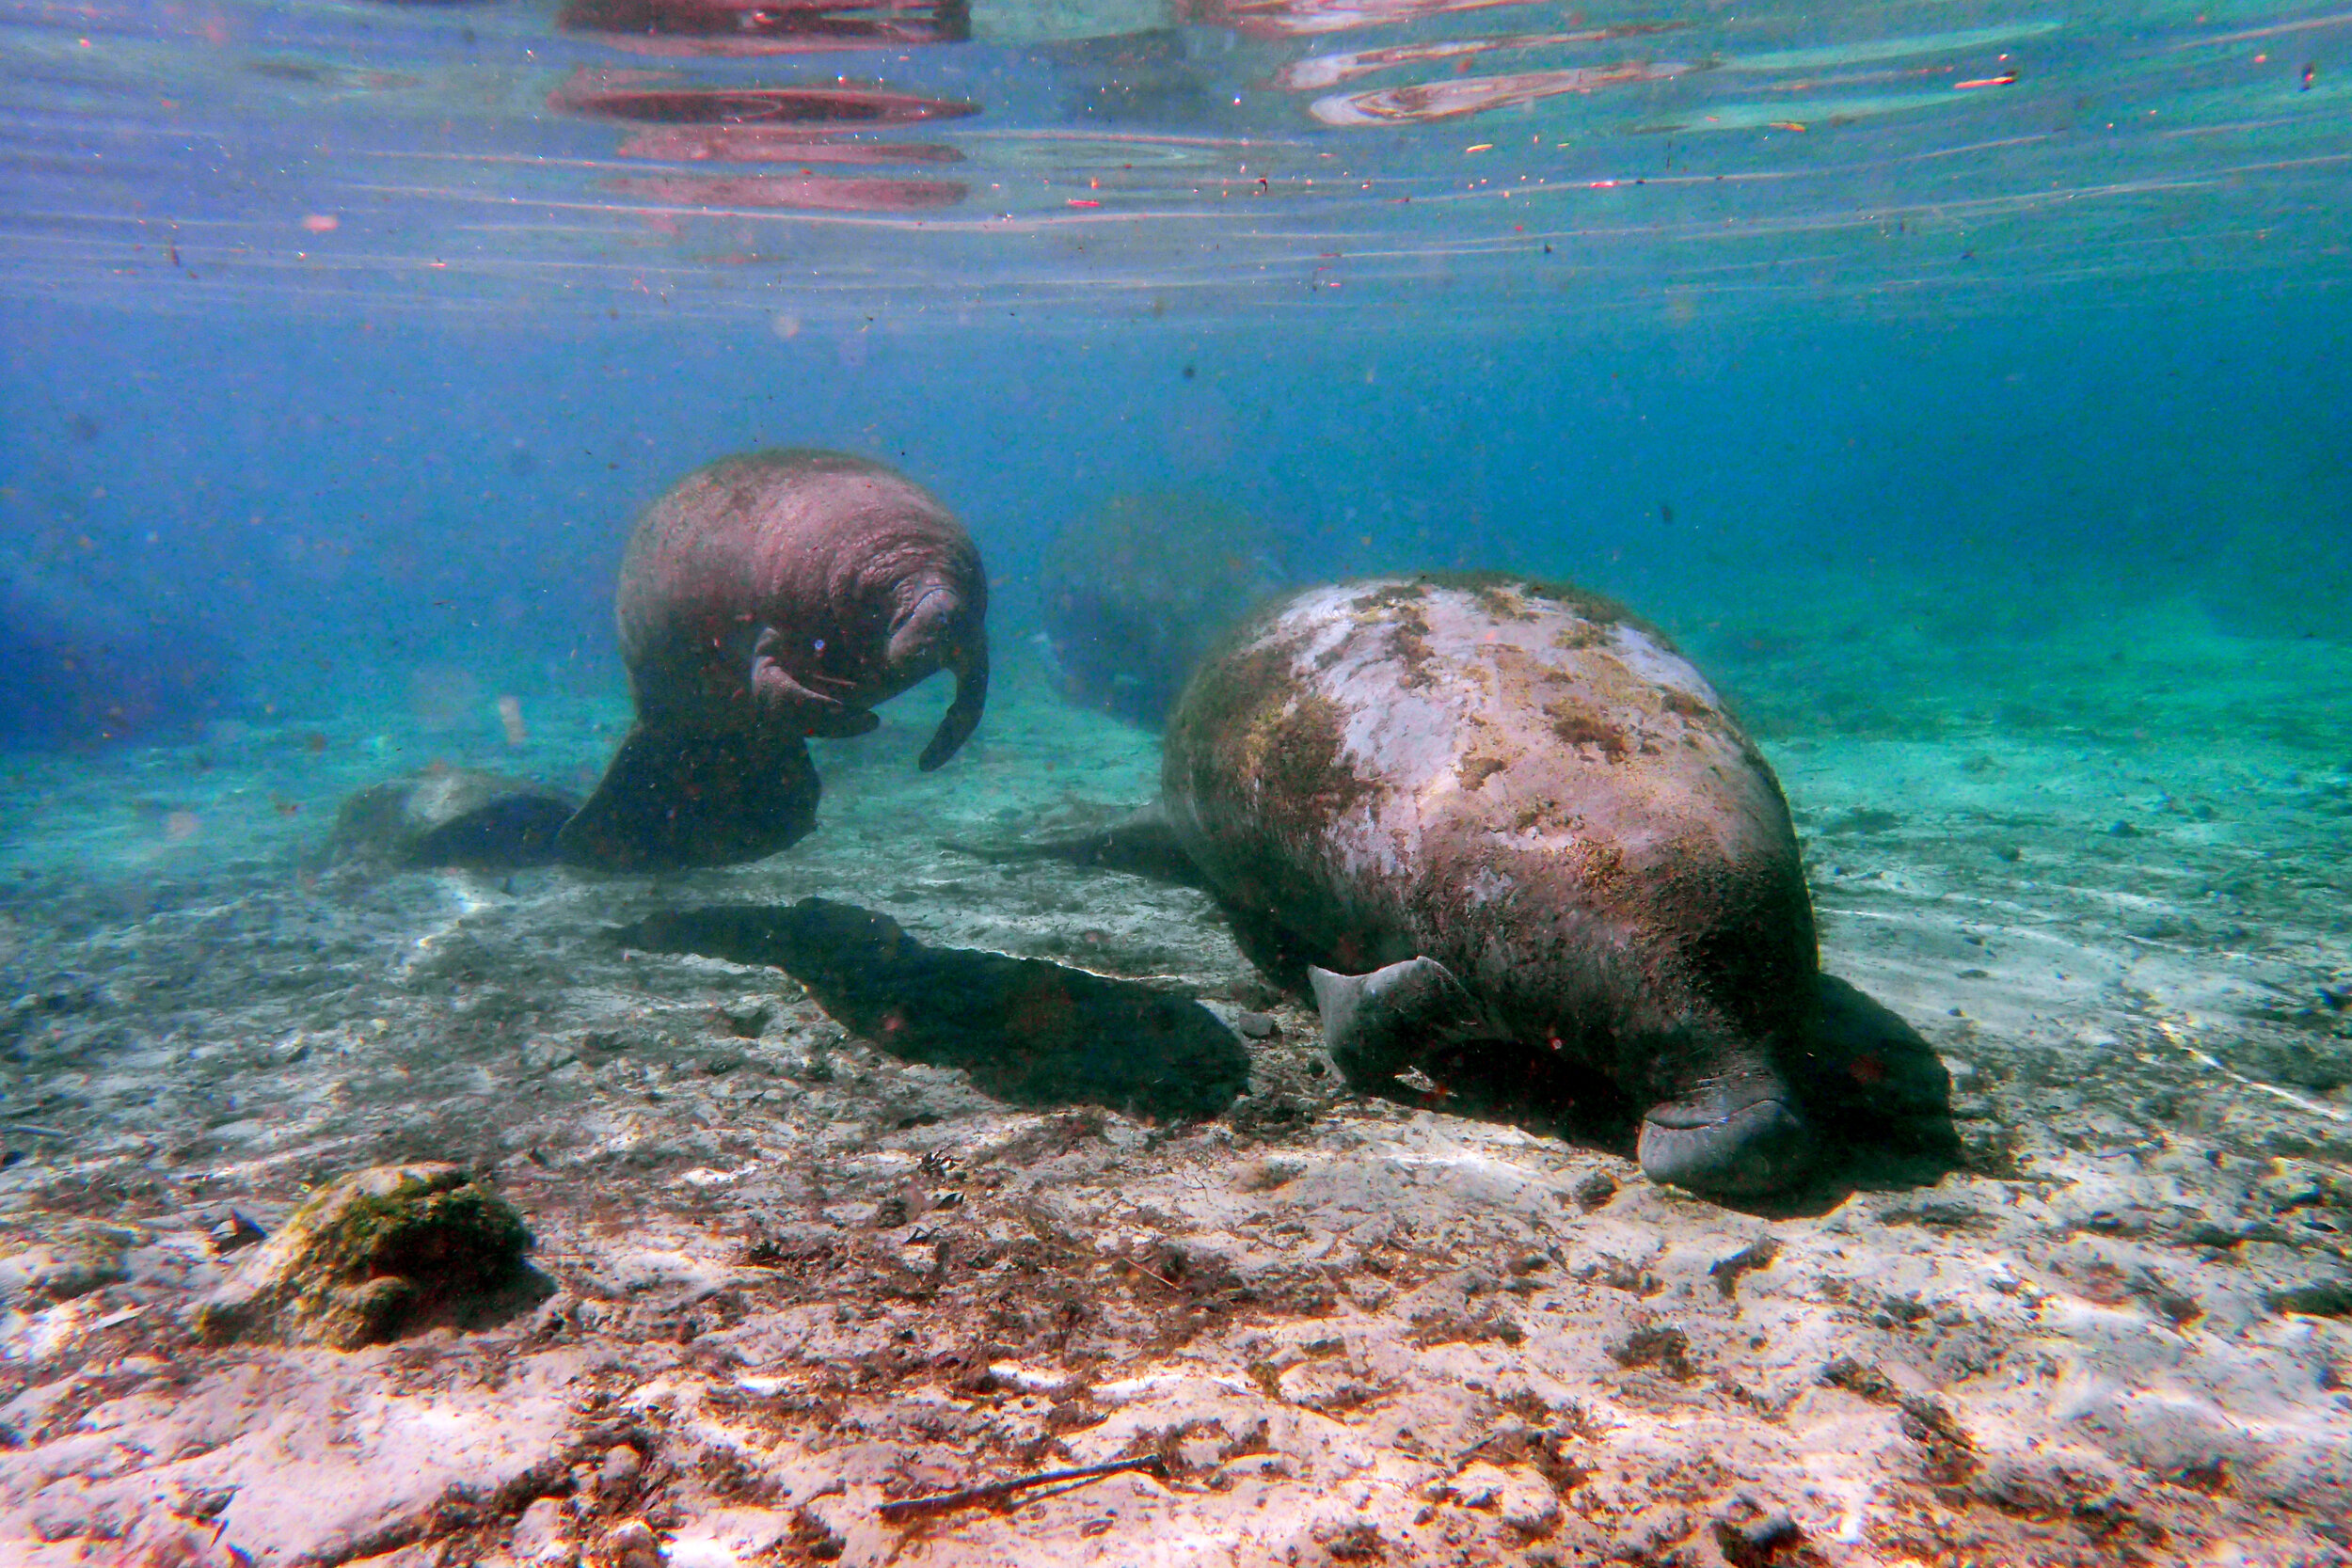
(1517, 779)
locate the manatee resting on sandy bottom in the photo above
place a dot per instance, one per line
(1488, 809)
(765, 599)
(451, 817)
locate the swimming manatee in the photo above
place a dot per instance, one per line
(765, 599)
(1486, 809)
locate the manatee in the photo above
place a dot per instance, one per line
(1133, 594)
(1488, 809)
(451, 817)
(765, 599)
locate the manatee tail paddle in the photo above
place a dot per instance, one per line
(671, 800)
(1376, 1024)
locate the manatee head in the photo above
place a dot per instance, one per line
(1735, 1129)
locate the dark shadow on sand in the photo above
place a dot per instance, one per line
(1029, 1032)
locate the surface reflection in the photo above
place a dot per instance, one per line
(661, 99)
(767, 125)
(1182, 151)
(740, 28)
(1320, 71)
(1422, 103)
(813, 193)
(1303, 18)
(761, 144)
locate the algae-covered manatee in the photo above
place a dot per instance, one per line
(1492, 809)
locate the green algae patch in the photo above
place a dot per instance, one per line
(1504, 596)
(1251, 731)
(370, 1256)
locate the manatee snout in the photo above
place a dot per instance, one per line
(1738, 1139)
(924, 636)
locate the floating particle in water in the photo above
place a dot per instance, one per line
(180, 826)
(511, 721)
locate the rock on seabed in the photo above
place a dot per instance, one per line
(371, 1253)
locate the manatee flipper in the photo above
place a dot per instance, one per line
(672, 798)
(1142, 843)
(1374, 1024)
(1735, 1130)
(969, 661)
(787, 704)
(1872, 1080)
(452, 817)
(846, 725)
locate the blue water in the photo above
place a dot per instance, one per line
(342, 342)
(327, 503)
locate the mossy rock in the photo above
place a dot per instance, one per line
(453, 816)
(370, 1256)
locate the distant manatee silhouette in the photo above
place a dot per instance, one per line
(87, 665)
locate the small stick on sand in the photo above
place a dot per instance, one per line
(908, 1508)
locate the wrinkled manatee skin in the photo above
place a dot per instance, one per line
(765, 599)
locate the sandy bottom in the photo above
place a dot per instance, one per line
(792, 1275)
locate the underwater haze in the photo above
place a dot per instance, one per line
(1959, 386)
